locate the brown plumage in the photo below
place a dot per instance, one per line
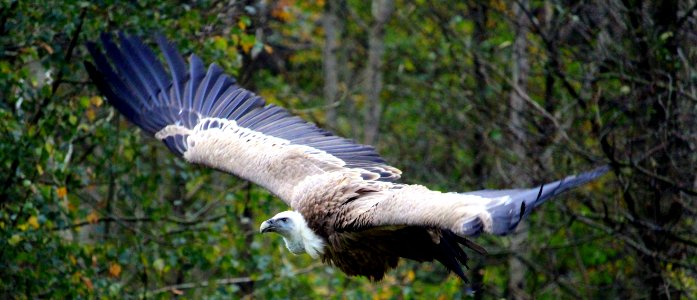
(348, 208)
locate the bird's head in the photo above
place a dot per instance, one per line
(298, 236)
(284, 223)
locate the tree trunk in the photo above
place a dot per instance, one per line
(479, 15)
(332, 34)
(519, 72)
(381, 9)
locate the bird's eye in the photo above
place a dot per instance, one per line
(283, 219)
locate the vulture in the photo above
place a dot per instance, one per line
(347, 206)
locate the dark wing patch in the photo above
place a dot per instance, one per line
(374, 251)
(506, 213)
(137, 84)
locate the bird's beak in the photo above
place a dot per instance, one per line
(267, 226)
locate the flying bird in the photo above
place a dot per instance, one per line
(348, 207)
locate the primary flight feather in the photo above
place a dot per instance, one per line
(348, 208)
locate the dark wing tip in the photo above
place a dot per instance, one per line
(567, 183)
(509, 207)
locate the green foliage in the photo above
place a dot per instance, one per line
(92, 208)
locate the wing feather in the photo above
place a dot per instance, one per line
(196, 75)
(123, 67)
(157, 71)
(206, 86)
(202, 115)
(110, 84)
(250, 103)
(466, 214)
(177, 68)
(232, 98)
(221, 86)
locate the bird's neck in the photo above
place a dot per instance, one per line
(304, 240)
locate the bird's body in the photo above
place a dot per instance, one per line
(347, 207)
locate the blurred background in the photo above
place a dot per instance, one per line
(459, 95)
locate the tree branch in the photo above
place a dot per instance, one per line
(59, 77)
(634, 244)
(140, 219)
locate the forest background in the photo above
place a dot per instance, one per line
(460, 95)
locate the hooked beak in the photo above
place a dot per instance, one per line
(268, 226)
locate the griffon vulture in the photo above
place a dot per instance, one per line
(347, 207)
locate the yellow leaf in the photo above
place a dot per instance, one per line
(33, 222)
(241, 25)
(385, 294)
(96, 101)
(15, 239)
(72, 260)
(246, 46)
(409, 65)
(93, 217)
(219, 43)
(281, 12)
(62, 192)
(114, 269)
(159, 264)
(268, 49)
(410, 276)
(91, 114)
(75, 278)
(40, 169)
(359, 100)
(23, 226)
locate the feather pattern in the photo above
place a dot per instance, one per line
(466, 214)
(344, 191)
(177, 68)
(191, 106)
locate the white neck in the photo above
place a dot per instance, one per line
(303, 239)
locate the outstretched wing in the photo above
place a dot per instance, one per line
(466, 214)
(205, 117)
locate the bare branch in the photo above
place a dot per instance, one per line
(113, 218)
(634, 244)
